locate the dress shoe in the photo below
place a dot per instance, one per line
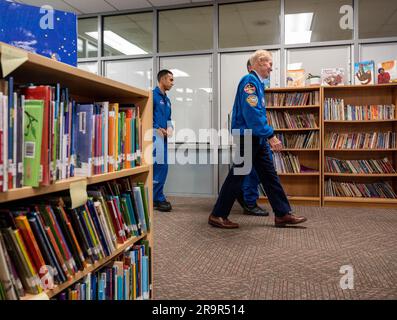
(255, 210)
(288, 219)
(163, 206)
(220, 222)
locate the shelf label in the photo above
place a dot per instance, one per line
(11, 58)
(78, 193)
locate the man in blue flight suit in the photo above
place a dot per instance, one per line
(162, 130)
(249, 113)
(249, 194)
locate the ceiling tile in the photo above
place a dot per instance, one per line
(56, 4)
(91, 6)
(162, 3)
(128, 4)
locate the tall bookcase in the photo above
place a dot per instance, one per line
(83, 86)
(384, 94)
(303, 187)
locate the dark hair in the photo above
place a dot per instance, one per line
(248, 63)
(163, 73)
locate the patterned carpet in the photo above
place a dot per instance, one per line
(257, 261)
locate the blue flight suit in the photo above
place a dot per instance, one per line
(161, 119)
(249, 113)
(251, 182)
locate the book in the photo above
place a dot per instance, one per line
(43, 93)
(295, 78)
(33, 129)
(84, 136)
(364, 72)
(390, 71)
(332, 76)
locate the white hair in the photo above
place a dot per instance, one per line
(260, 55)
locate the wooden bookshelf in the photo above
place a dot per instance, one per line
(83, 86)
(302, 188)
(384, 94)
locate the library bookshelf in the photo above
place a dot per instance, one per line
(83, 86)
(303, 188)
(383, 94)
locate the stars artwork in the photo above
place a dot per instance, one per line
(51, 33)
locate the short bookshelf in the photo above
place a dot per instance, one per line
(359, 145)
(295, 115)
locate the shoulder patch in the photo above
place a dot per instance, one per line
(252, 100)
(249, 88)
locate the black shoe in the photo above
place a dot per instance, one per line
(163, 206)
(255, 210)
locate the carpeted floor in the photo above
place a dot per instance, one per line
(257, 261)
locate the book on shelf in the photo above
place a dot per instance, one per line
(308, 140)
(364, 166)
(332, 76)
(295, 78)
(381, 189)
(287, 120)
(286, 162)
(364, 72)
(292, 98)
(48, 240)
(73, 139)
(336, 109)
(361, 140)
(126, 278)
(390, 71)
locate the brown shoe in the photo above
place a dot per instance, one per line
(220, 222)
(288, 219)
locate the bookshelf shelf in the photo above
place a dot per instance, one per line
(299, 174)
(296, 129)
(117, 174)
(84, 86)
(361, 150)
(366, 175)
(90, 268)
(358, 121)
(297, 200)
(299, 150)
(314, 106)
(383, 94)
(28, 192)
(360, 200)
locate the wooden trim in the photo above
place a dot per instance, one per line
(366, 175)
(117, 174)
(360, 200)
(360, 150)
(298, 129)
(299, 174)
(293, 107)
(358, 121)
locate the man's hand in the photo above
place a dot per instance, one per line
(162, 132)
(169, 132)
(275, 144)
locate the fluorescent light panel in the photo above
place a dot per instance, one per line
(118, 43)
(297, 27)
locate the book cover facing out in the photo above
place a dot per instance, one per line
(42, 30)
(364, 72)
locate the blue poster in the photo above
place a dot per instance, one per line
(42, 30)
